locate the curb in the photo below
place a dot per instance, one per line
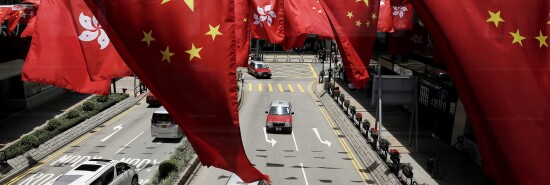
(372, 162)
(34, 155)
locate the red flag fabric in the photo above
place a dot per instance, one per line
(242, 34)
(13, 18)
(416, 41)
(498, 56)
(303, 17)
(385, 18)
(4, 12)
(191, 70)
(267, 20)
(56, 55)
(354, 24)
(402, 12)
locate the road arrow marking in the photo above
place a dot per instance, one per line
(272, 141)
(117, 128)
(326, 142)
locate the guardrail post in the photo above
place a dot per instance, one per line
(288, 58)
(275, 58)
(302, 58)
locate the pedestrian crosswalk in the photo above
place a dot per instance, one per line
(276, 87)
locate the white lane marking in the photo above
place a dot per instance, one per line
(117, 128)
(326, 142)
(272, 141)
(128, 143)
(295, 144)
(304, 172)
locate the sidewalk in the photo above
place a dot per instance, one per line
(395, 128)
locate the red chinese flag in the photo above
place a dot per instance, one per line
(385, 17)
(56, 55)
(267, 20)
(402, 12)
(497, 53)
(354, 25)
(4, 12)
(303, 17)
(191, 69)
(242, 35)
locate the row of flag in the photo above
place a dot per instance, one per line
(187, 53)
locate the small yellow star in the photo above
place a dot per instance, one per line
(320, 11)
(548, 21)
(214, 31)
(368, 24)
(191, 4)
(373, 16)
(194, 52)
(366, 1)
(358, 23)
(166, 54)
(164, 1)
(517, 38)
(542, 39)
(313, 8)
(350, 14)
(147, 37)
(495, 18)
(244, 19)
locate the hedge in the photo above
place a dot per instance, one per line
(181, 158)
(60, 124)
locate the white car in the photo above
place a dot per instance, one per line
(100, 172)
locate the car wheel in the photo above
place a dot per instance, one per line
(135, 180)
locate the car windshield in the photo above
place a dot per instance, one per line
(279, 110)
(261, 66)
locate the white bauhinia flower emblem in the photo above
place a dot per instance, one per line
(265, 14)
(399, 10)
(93, 31)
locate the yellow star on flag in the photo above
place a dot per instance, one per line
(368, 24)
(194, 52)
(164, 1)
(147, 37)
(313, 8)
(366, 1)
(358, 23)
(517, 38)
(373, 16)
(350, 14)
(244, 19)
(542, 39)
(213, 31)
(191, 4)
(166, 54)
(495, 18)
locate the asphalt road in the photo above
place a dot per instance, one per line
(126, 137)
(315, 152)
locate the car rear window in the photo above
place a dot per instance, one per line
(279, 110)
(162, 117)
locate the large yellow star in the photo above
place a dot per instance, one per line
(214, 31)
(373, 16)
(147, 37)
(350, 14)
(358, 23)
(366, 1)
(194, 52)
(517, 38)
(495, 18)
(542, 39)
(190, 3)
(166, 54)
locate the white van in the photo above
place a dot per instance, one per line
(162, 125)
(236, 180)
(100, 172)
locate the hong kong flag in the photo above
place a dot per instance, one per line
(189, 66)
(498, 56)
(402, 14)
(267, 20)
(354, 25)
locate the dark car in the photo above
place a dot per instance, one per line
(151, 99)
(279, 116)
(259, 69)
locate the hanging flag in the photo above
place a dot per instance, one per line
(191, 69)
(28, 17)
(4, 12)
(385, 17)
(415, 41)
(13, 18)
(242, 34)
(57, 56)
(498, 56)
(267, 20)
(303, 17)
(402, 12)
(354, 24)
